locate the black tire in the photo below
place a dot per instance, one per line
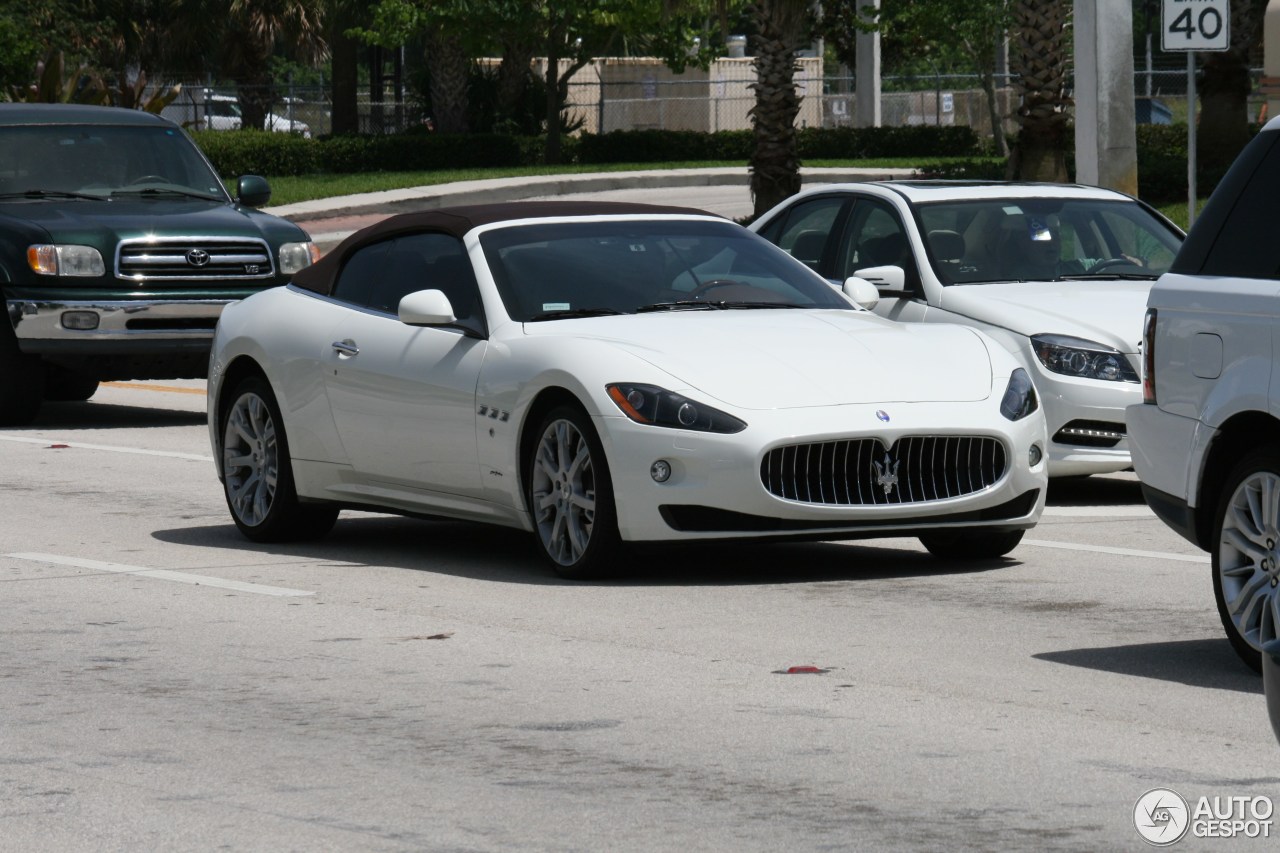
(21, 380)
(257, 471)
(68, 386)
(570, 497)
(1245, 584)
(971, 544)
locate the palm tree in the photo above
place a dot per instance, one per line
(1224, 91)
(782, 29)
(1039, 58)
(253, 30)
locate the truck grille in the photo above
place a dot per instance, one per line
(858, 472)
(194, 259)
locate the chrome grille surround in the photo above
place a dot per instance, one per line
(166, 259)
(863, 472)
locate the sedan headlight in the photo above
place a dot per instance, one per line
(295, 256)
(49, 259)
(649, 404)
(1086, 359)
(1019, 396)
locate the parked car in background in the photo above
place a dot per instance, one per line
(603, 374)
(1058, 274)
(119, 247)
(1206, 437)
(210, 111)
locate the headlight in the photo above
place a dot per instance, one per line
(649, 404)
(48, 259)
(1076, 357)
(295, 256)
(1019, 396)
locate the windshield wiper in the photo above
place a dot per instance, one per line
(569, 314)
(1110, 276)
(167, 191)
(759, 305)
(681, 305)
(53, 194)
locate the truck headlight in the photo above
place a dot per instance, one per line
(295, 256)
(51, 259)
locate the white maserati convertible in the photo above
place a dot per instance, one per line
(605, 374)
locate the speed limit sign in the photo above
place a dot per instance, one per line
(1196, 25)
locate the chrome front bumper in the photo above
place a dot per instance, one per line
(39, 324)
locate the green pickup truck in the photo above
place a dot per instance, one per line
(119, 247)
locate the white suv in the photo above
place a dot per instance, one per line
(1206, 439)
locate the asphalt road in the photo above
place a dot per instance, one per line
(413, 685)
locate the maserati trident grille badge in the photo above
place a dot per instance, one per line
(887, 474)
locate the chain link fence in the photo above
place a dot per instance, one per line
(643, 94)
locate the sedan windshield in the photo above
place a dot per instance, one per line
(101, 161)
(973, 242)
(551, 271)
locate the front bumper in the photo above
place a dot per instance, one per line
(122, 326)
(716, 492)
(1075, 408)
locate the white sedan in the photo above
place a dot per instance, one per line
(603, 374)
(1058, 274)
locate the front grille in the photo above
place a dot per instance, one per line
(194, 259)
(1091, 434)
(861, 472)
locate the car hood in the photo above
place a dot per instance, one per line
(778, 359)
(1107, 312)
(103, 223)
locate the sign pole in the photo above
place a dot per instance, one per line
(1191, 138)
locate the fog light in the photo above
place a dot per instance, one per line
(660, 471)
(1034, 455)
(80, 320)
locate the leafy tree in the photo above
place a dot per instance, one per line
(1039, 59)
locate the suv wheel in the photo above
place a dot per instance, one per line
(1246, 554)
(21, 380)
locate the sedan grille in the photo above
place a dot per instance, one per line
(194, 259)
(861, 472)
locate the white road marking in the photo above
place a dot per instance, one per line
(1122, 552)
(159, 574)
(111, 447)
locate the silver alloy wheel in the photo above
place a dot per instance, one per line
(564, 492)
(250, 459)
(1249, 558)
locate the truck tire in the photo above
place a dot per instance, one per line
(21, 380)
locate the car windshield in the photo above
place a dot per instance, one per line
(590, 268)
(102, 160)
(975, 242)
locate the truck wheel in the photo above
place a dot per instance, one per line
(21, 380)
(68, 386)
(1246, 554)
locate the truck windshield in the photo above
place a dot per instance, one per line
(99, 160)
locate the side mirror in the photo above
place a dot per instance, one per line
(1271, 682)
(426, 308)
(253, 191)
(889, 280)
(862, 292)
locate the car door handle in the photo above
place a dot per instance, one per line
(346, 348)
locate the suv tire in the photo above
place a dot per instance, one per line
(21, 380)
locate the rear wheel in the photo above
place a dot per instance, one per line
(258, 473)
(1246, 554)
(21, 380)
(971, 544)
(570, 496)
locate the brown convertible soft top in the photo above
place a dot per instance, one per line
(320, 277)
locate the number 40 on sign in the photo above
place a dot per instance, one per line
(1195, 25)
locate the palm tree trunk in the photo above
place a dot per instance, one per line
(1039, 60)
(775, 166)
(1224, 93)
(450, 68)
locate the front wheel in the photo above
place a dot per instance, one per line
(258, 473)
(21, 380)
(1246, 556)
(971, 544)
(570, 496)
